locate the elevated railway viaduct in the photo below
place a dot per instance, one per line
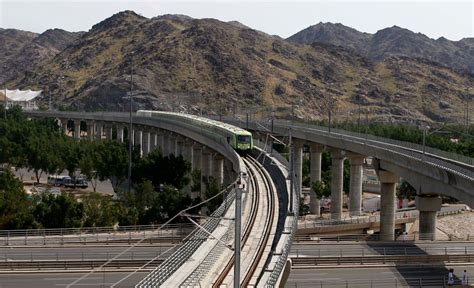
(432, 173)
(204, 150)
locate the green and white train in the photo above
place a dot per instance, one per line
(238, 138)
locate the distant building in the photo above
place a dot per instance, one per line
(25, 99)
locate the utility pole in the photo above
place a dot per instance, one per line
(130, 129)
(291, 172)
(238, 219)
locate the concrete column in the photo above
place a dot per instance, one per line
(315, 173)
(179, 146)
(188, 152)
(99, 126)
(298, 165)
(138, 134)
(166, 145)
(197, 164)
(90, 130)
(152, 141)
(206, 160)
(64, 125)
(428, 206)
(387, 205)
(172, 144)
(337, 179)
(146, 143)
(355, 188)
(120, 133)
(160, 136)
(108, 131)
(218, 168)
(77, 129)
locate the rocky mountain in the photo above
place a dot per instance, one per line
(335, 34)
(206, 65)
(21, 51)
(393, 41)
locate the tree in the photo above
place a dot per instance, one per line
(212, 189)
(321, 191)
(161, 170)
(59, 211)
(99, 210)
(113, 163)
(15, 208)
(89, 163)
(405, 190)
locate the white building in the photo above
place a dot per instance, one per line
(25, 99)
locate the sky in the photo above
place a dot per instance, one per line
(451, 19)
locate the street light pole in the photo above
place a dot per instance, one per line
(130, 129)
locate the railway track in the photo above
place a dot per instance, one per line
(264, 204)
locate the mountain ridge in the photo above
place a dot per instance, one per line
(392, 41)
(191, 65)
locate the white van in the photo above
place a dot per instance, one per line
(58, 180)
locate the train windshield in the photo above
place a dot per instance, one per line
(243, 139)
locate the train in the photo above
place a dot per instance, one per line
(240, 139)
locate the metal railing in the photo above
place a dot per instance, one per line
(381, 251)
(459, 164)
(172, 263)
(95, 235)
(293, 226)
(420, 282)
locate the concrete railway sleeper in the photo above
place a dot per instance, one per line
(257, 175)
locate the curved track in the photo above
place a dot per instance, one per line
(262, 187)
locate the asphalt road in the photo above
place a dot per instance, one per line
(364, 249)
(84, 253)
(374, 277)
(97, 279)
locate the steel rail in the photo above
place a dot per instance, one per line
(248, 226)
(268, 223)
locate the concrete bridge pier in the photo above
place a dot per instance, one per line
(153, 143)
(188, 152)
(145, 143)
(64, 125)
(166, 144)
(428, 205)
(172, 144)
(197, 165)
(108, 132)
(315, 174)
(179, 146)
(218, 169)
(355, 188)
(298, 144)
(99, 126)
(138, 135)
(337, 179)
(387, 204)
(77, 129)
(90, 130)
(205, 170)
(120, 133)
(160, 140)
